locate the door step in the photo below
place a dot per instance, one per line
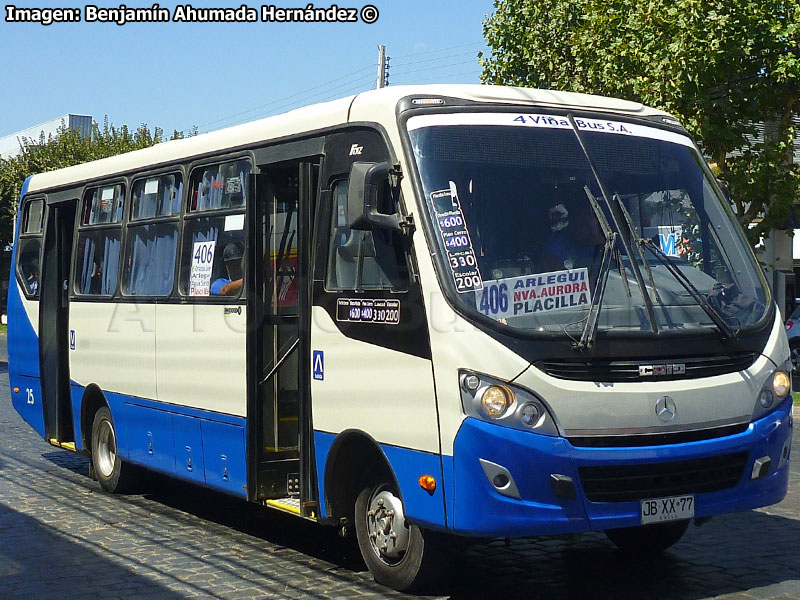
(65, 445)
(290, 505)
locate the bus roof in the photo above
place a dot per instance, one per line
(320, 116)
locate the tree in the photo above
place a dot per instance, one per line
(721, 66)
(64, 149)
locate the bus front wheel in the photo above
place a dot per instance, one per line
(398, 554)
(647, 539)
(112, 474)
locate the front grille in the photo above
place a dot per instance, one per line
(628, 370)
(655, 480)
(655, 439)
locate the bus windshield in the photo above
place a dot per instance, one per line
(511, 199)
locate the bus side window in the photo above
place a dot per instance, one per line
(97, 262)
(212, 258)
(97, 249)
(150, 259)
(363, 260)
(33, 217)
(28, 261)
(30, 246)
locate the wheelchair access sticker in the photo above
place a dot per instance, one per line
(528, 294)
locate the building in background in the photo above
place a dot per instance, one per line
(10, 144)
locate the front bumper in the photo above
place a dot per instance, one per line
(478, 509)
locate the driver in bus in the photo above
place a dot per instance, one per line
(230, 286)
(575, 238)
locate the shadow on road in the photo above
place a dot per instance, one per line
(36, 561)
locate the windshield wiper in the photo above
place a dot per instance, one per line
(681, 278)
(637, 239)
(651, 316)
(610, 250)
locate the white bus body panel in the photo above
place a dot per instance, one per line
(385, 393)
(200, 357)
(115, 346)
(587, 408)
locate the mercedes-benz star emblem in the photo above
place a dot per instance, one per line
(665, 409)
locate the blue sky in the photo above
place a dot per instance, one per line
(179, 75)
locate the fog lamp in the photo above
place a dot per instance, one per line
(765, 398)
(781, 383)
(530, 415)
(496, 399)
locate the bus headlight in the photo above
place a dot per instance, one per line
(775, 389)
(781, 384)
(495, 400)
(499, 402)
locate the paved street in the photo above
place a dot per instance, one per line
(61, 537)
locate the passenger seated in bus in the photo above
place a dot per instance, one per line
(230, 286)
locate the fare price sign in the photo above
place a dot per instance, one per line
(455, 235)
(364, 310)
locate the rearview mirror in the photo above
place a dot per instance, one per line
(367, 183)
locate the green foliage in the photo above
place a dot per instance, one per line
(718, 65)
(65, 149)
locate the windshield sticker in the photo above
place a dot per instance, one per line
(455, 235)
(544, 292)
(200, 272)
(548, 122)
(363, 310)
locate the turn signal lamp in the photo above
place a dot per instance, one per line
(427, 483)
(16, 390)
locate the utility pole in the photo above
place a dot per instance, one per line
(383, 67)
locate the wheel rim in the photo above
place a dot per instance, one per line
(106, 448)
(388, 532)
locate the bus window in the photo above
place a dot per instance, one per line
(377, 255)
(97, 262)
(220, 186)
(29, 252)
(157, 196)
(32, 221)
(103, 205)
(212, 258)
(150, 259)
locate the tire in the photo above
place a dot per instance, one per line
(111, 472)
(647, 539)
(414, 559)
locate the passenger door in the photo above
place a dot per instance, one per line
(54, 337)
(278, 396)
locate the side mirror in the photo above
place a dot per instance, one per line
(367, 182)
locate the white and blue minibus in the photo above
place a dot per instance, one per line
(414, 313)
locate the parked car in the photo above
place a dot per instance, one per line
(793, 333)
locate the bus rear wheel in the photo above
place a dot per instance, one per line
(112, 474)
(647, 539)
(399, 555)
